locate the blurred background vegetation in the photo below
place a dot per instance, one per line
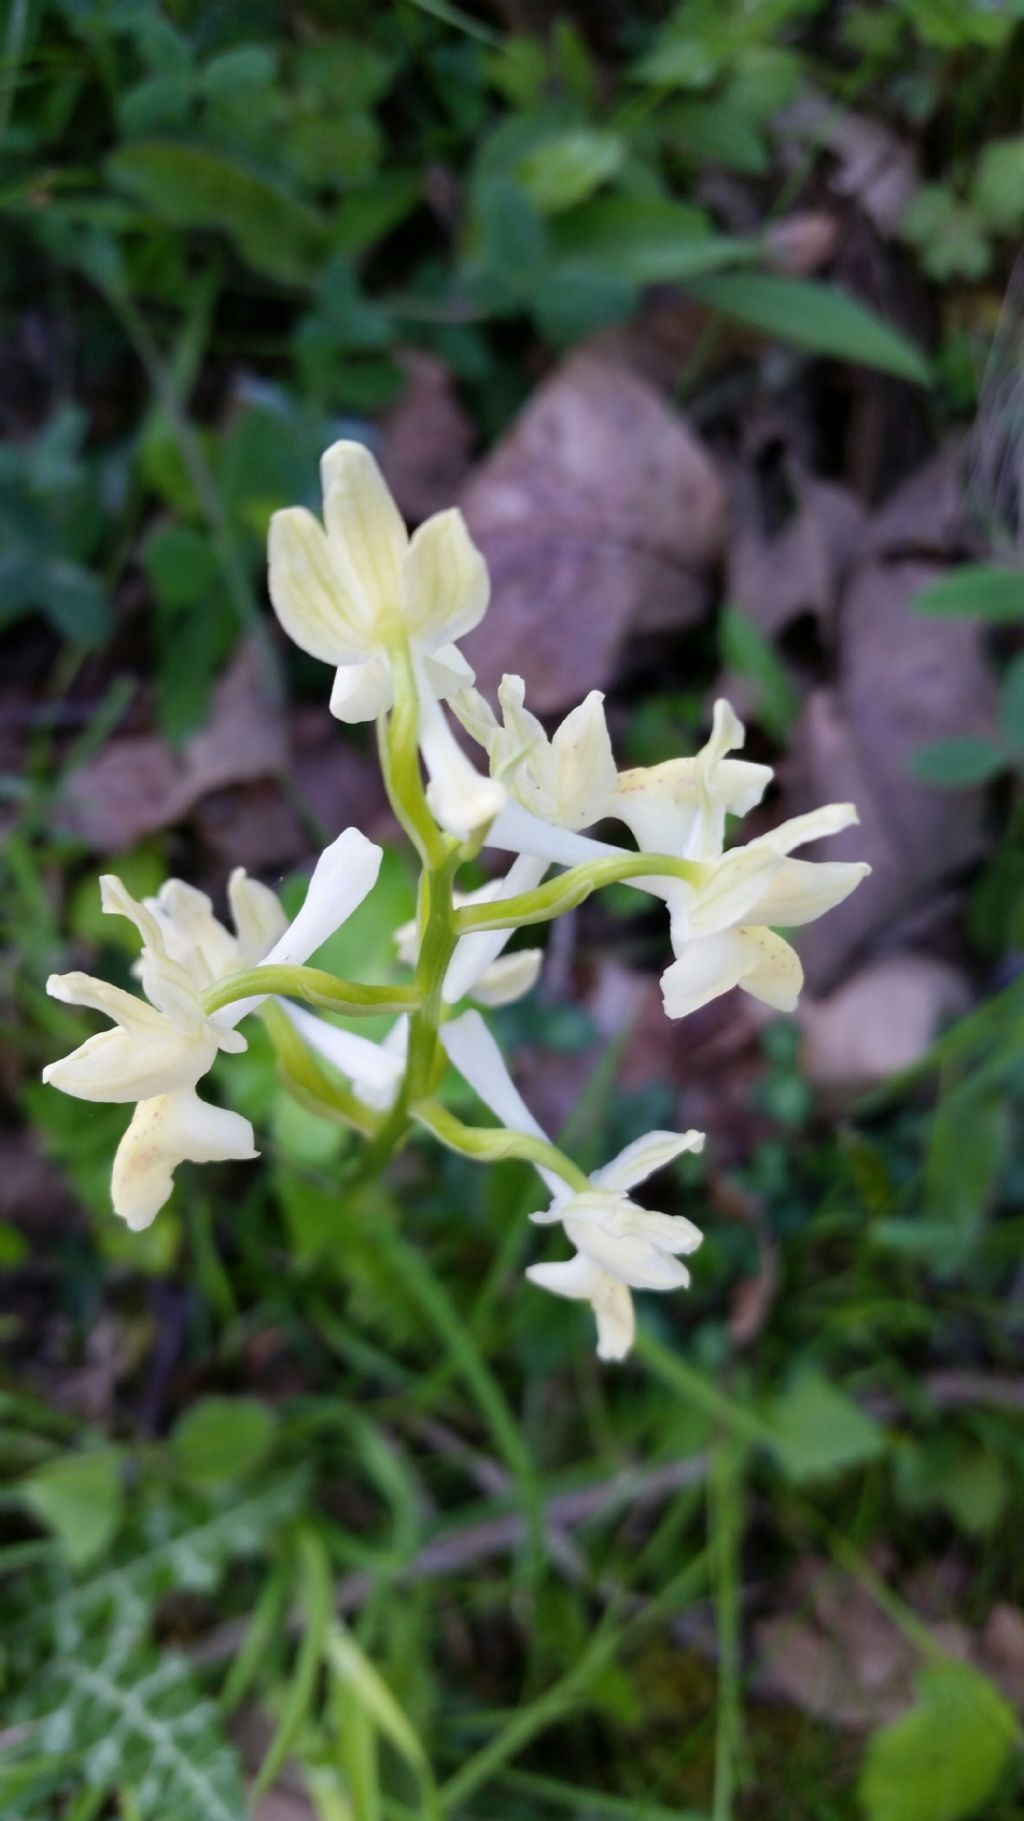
(708, 317)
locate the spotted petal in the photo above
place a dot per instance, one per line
(165, 1131)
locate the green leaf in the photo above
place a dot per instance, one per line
(998, 188)
(815, 316)
(957, 763)
(195, 188)
(820, 1431)
(222, 1438)
(743, 647)
(1011, 707)
(645, 241)
(943, 1758)
(80, 1498)
(977, 591)
(566, 168)
(74, 600)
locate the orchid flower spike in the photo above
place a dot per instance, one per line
(619, 1245)
(162, 1045)
(350, 590)
(722, 930)
(567, 780)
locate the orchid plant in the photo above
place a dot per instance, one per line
(386, 611)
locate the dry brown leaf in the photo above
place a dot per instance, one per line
(801, 243)
(140, 784)
(879, 1021)
(425, 439)
(777, 575)
(872, 165)
(597, 513)
(904, 679)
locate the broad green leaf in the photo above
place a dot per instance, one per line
(978, 591)
(1011, 708)
(75, 601)
(79, 1497)
(648, 241)
(819, 1431)
(222, 1438)
(943, 1758)
(815, 316)
(192, 187)
(967, 1148)
(958, 763)
(566, 168)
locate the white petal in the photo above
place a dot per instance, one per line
(475, 953)
(473, 1050)
(570, 1277)
(802, 890)
(582, 1281)
(171, 1129)
(645, 1155)
(318, 602)
(631, 1257)
(447, 586)
(366, 1064)
(447, 671)
(122, 1065)
(462, 798)
(756, 959)
(258, 916)
(126, 1009)
(345, 872)
(707, 967)
(362, 691)
(516, 831)
(509, 978)
(364, 526)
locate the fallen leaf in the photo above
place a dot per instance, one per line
(879, 1021)
(425, 439)
(140, 784)
(802, 243)
(597, 513)
(925, 516)
(903, 680)
(873, 166)
(794, 539)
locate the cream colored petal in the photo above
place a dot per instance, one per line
(258, 916)
(121, 1065)
(707, 967)
(475, 954)
(364, 526)
(319, 605)
(816, 825)
(446, 583)
(584, 764)
(582, 1281)
(117, 901)
(447, 672)
(476, 715)
(193, 936)
(754, 958)
(165, 1131)
(510, 978)
(802, 890)
(731, 887)
(631, 1257)
(362, 691)
(126, 1009)
(645, 1155)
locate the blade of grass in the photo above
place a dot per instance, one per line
(316, 1596)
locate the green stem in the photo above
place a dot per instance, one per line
(493, 1144)
(397, 738)
(570, 889)
(306, 1079)
(314, 985)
